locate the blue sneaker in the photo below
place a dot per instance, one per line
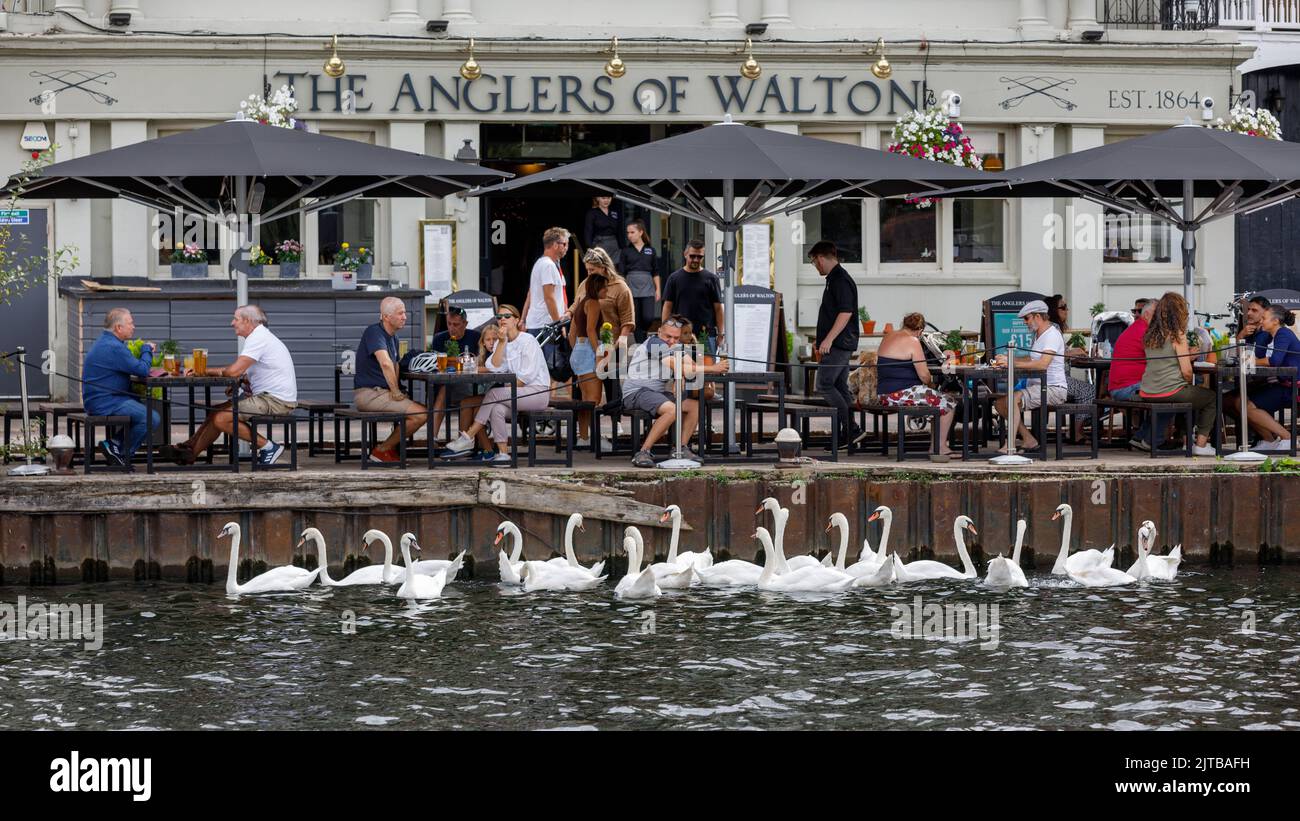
(484, 456)
(112, 452)
(267, 454)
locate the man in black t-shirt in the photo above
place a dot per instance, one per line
(695, 294)
(837, 335)
(467, 339)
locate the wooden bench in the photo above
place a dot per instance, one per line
(288, 423)
(56, 411)
(796, 416)
(1070, 410)
(576, 406)
(879, 412)
(317, 411)
(370, 422)
(1155, 410)
(82, 426)
(560, 416)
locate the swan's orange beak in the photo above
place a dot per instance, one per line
(873, 517)
(665, 517)
(1056, 515)
(972, 529)
(500, 534)
(829, 525)
(301, 542)
(759, 512)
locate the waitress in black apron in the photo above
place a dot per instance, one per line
(603, 227)
(640, 267)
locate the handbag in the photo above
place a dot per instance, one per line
(557, 360)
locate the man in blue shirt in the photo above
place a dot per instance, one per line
(107, 374)
(375, 386)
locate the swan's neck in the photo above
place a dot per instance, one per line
(1064, 553)
(677, 532)
(517, 543)
(568, 542)
(884, 533)
(319, 539)
(844, 545)
(232, 574)
(640, 546)
(770, 566)
(1020, 540)
(406, 557)
(966, 565)
(781, 516)
(388, 558)
(633, 558)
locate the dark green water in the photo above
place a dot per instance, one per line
(1167, 655)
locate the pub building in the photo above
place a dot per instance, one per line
(1034, 79)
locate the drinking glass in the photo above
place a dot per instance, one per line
(442, 361)
(189, 363)
(201, 361)
(403, 347)
(169, 364)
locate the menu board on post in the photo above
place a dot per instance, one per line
(437, 258)
(480, 308)
(1002, 326)
(757, 262)
(752, 343)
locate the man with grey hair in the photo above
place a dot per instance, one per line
(375, 385)
(271, 389)
(106, 388)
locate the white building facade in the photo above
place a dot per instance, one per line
(1037, 78)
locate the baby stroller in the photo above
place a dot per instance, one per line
(1106, 328)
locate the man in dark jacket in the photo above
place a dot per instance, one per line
(837, 335)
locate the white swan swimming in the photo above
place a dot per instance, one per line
(1164, 568)
(668, 575)
(886, 516)
(809, 579)
(637, 583)
(1008, 572)
(389, 572)
(419, 585)
(432, 567)
(559, 577)
(864, 573)
(571, 558)
(699, 559)
(511, 567)
(733, 573)
(1099, 575)
(372, 574)
(926, 569)
(275, 580)
(780, 516)
(1084, 558)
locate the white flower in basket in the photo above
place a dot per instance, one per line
(931, 134)
(1254, 122)
(278, 110)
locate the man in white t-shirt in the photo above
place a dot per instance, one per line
(547, 301)
(1047, 358)
(267, 367)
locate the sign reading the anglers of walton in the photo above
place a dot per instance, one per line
(19, 217)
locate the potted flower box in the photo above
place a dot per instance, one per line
(289, 253)
(359, 261)
(189, 262)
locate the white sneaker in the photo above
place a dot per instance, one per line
(1203, 450)
(461, 444)
(582, 443)
(1277, 445)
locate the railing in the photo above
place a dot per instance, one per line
(1260, 15)
(1169, 15)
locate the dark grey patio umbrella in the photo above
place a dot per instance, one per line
(1237, 173)
(757, 173)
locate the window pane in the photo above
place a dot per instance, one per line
(977, 230)
(186, 228)
(908, 232)
(352, 222)
(841, 223)
(271, 234)
(1138, 238)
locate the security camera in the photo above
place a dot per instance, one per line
(951, 102)
(1207, 108)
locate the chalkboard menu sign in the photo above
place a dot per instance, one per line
(1000, 324)
(753, 341)
(1281, 296)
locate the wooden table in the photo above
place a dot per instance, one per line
(433, 381)
(192, 384)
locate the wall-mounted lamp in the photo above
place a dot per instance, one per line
(614, 66)
(750, 69)
(334, 66)
(881, 68)
(121, 19)
(470, 69)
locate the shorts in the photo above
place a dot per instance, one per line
(647, 400)
(583, 358)
(1271, 397)
(378, 400)
(1056, 395)
(918, 395)
(264, 404)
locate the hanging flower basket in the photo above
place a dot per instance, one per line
(278, 110)
(930, 134)
(1253, 122)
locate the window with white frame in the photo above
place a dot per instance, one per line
(353, 221)
(839, 221)
(169, 230)
(979, 227)
(1129, 239)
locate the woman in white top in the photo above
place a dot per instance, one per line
(518, 353)
(1047, 359)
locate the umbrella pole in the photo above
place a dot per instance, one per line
(729, 280)
(28, 469)
(1189, 249)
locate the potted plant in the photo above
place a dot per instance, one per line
(1099, 308)
(1077, 342)
(289, 253)
(189, 261)
(868, 324)
(257, 259)
(952, 343)
(930, 134)
(357, 261)
(453, 356)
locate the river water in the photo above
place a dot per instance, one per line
(1176, 654)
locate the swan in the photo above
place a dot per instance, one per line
(809, 579)
(1103, 575)
(925, 569)
(885, 515)
(780, 516)
(863, 572)
(1084, 558)
(390, 573)
(1164, 568)
(419, 585)
(432, 567)
(570, 558)
(700, 559)
(733, 572)
(544, 576)
(637, 583)
(372, 574)
(275, 580)
(511, 567)
(1007, 572)
(668, 575)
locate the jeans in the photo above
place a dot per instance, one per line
(1129, 393)
(121, 406)
(833, 385)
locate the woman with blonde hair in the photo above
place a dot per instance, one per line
(1168, 376)
(603, 298)
(904, 379)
